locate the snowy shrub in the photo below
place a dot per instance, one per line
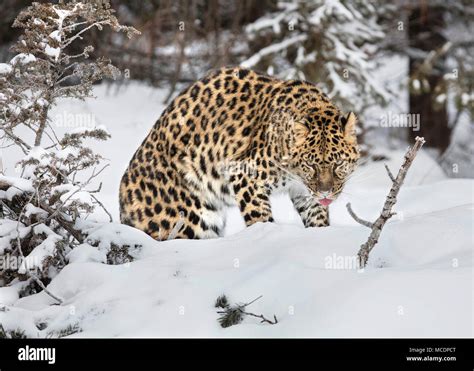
(40, 208)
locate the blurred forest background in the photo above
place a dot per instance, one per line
(393, 63)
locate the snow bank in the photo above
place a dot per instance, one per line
(418, 282)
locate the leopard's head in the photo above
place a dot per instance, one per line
(324, 152)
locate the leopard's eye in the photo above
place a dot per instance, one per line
(309, 171)
(341, 169)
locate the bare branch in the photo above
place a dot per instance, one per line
(42, 125)
(390, 175)
(356, 218)
(21, 143)
(103, 207)
(390, 201)
(41, 284)
(253, 301)
(78, 35)
(262, 317)
(68, 226)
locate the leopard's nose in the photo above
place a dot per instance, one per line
(325, 183)
(325, 194)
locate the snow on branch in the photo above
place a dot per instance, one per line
(272, 49)
(329, 42)
(386, 214)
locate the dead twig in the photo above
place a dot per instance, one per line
(357, 219)
(111, 219)
(41, 284)
(390, 201)
(390, 175)
(261, 316)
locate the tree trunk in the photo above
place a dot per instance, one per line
(425, 27)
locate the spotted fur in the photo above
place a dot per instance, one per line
(233, 138)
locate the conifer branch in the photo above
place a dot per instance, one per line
(235, 314)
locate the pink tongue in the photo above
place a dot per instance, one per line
(325, 201)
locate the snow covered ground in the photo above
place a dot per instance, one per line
(419, 282)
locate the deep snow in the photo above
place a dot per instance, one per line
(419, 282)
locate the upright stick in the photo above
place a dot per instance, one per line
(390, 201)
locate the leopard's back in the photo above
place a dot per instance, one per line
(183, 164)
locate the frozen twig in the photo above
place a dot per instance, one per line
(41, 284)
(111, 219)
(262, 317)
(357, 219)
(390, 175)
(390, 201)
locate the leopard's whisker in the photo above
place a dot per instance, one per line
(292, 176)
(351, 195)
(365, 174)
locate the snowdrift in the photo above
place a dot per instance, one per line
(418, 282)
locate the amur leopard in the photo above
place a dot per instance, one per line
(233, 138)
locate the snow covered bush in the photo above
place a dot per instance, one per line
(41, 208)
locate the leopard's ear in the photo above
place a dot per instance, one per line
(300, 131)
(349, 125)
